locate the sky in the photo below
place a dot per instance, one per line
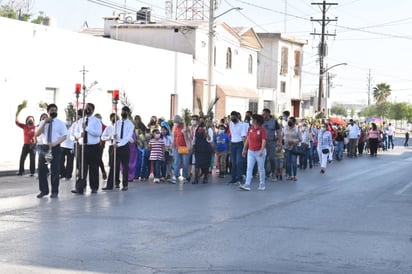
(371, 35)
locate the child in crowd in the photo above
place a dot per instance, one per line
(142, 165)
(222, 142)
(168, 139)
(279, 161)
(157, 153)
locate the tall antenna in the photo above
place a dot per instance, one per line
(191, 10)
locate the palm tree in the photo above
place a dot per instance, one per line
(381, 92)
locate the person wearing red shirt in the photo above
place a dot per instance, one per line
(255, 146)
(29, 144)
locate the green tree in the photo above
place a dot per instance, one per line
(8, 12)
(399, 111)
(17, 9)
(369, 111)
(383, 109)
(39, 19)
(381, 92)
(339, 110)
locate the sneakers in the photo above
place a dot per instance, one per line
(173, 180)
(156, 180)
(245, 187)
(261, 188)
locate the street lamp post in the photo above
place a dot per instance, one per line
(211, 47)
(321, 74)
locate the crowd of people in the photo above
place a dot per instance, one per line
(259, 145)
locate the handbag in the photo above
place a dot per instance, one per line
(182, 149)
(298, 150)
(325, 150)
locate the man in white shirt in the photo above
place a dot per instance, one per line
(353, 136)
(122, 137)
(108, 137)
(67, 146)
(238, 133)
(88, 133)
(55, 133)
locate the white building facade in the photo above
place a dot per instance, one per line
(43, 64)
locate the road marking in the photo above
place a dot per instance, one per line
(405, 188)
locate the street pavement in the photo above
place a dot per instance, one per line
(355, 218)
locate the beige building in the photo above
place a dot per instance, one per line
(280, 73)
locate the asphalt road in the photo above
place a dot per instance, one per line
(356, 218)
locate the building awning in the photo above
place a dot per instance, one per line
(234, 91)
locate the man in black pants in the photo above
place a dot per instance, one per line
(55, 132)
(89, 130)
(122, 137)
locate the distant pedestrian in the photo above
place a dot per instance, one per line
(292, 137)
(374, 137)
(353, 136)
(406, 138)
(325, 144)
(391, 135)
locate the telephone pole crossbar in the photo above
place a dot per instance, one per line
(322, 48)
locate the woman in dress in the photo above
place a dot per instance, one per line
(202, 150)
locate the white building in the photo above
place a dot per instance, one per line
(235, 62)
(41, 63)
(280, 73)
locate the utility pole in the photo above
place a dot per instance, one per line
(369, 87)
(211, 91)
(322, 48)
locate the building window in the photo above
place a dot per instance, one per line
(284, 61)
(229, 58)
(297, 63)
(267, 104)
(250, 64)
(253, 105)
(283, 86)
